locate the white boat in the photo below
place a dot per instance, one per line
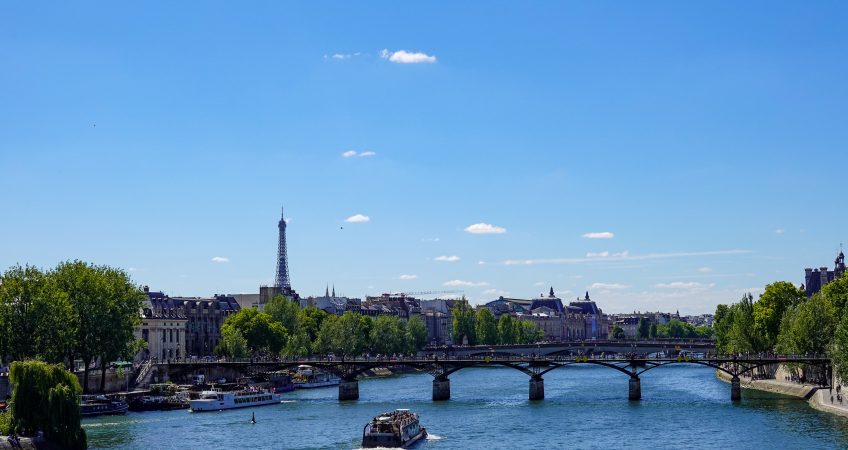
(216, 400)
(308, 378)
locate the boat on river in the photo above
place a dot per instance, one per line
(309, 378)
(158, 403)
(399, 429)
(100, 405)
(217, 400)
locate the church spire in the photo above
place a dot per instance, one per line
(551, 294)
(327, 291)
(334, 290)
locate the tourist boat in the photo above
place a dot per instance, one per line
(216, 400)
(399, 428)
(308, 378)
(100, 405)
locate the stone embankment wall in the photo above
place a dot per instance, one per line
(817, 397)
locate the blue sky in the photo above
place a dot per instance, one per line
(707, 139)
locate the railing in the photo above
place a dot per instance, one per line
(144, 370)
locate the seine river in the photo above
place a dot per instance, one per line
(585, 407)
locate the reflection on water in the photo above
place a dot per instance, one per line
(584, 407)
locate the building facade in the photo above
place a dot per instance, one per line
(815, 280)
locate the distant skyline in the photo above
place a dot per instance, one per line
(662, 156)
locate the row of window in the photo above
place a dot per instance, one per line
(256, 398)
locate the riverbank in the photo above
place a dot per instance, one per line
(27, 444)
(817, 397)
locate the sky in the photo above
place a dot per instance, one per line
(659, 155)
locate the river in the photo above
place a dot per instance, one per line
(585, 407)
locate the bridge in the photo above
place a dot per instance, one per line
(535, 367)
(621, 346)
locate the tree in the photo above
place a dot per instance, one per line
(284, 310)
(417, 333)
(808, 327)
(463, 323)
(263, 334)
(121, 300)
(385, 336)
(722, 323)
(232, 344)
(351, 336)
(839, 350)
(506, 330)
(527, 333)
(45, 398)
(486, 327)
(309, 320)
(325, 340)
(617, 332)
(80, 283)
(644, 329)
(768, 310)
(298, 345)
(653, 331)
(742, 337)
(837, 294)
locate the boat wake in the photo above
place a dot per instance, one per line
(433, 437)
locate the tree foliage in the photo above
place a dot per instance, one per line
(45, 398)
(808, 328)
(464, 329)
(644, 329)
(232, 344)
(769, 308)
(486, 327)
(263, 334)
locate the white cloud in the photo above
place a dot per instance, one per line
(608, 286)
(355, 154)
(705, 269)
(462, 283)
(484, 228)
(430, 239)
(691, 285)
(597, 254)
(623, 256)
(481, 263)
(408, 277)
(599, 235)
(779, 231)
(358, 218)
(446, 258)
(405, 57)
(220, 259)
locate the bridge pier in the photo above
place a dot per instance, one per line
(537, 388)
(735, 389)
(349, 390)
(635, 391)
(441, 389)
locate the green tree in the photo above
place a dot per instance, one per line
(284, 310)
(22, 311)
(417, 333)
(808, 327)
(653, 330)
(487, 327)
(298, 345)
(352, 335)
(722, 323)
(263, 334)
(768, 310)
(325, 341)
(644, 329)
(81, 284)
(742, 337)
(463, 323)
(506, 330)
(837, 294)
(232, 344)
(121, 301)
(839, 350)
(617, 332)
(309, 320)
(527, 333)
(45, 398)
(385, 336)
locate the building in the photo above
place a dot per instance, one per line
(438, 319)
(200, 318)
(162, 328)
(330, 303)
(581, 319)
(814, 280)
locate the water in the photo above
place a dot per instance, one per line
(585, 407)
